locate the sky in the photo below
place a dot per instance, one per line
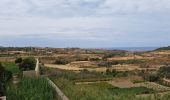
(85, 23)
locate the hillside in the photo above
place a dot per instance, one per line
(164, 48)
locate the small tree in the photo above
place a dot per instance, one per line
(18, 60)
(61, 61)
(153, 77)
(108, 71)
(28, 64)
(164, 71)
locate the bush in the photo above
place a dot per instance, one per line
(18, 60)
(164, 71)
(61, 61)
(121, 74)
(111, 72)
(28, 64)
(94, 59)
(152, 77)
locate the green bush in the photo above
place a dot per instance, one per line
(62, 61)
(28, 64)
(153, 78)
(164, 71)
(94, 59)
(18, 60)
(115, 73)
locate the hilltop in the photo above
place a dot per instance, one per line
(164, 48)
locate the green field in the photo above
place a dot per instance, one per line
(11, 66)
(99, 91)
(84, 92)
(31, 89)
(66, 80)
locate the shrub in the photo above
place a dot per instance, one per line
(153, 77)
(18, 60)
(164, 71)
(111, 72)
(61, 61)
(94, 59)
(28, 64)
(108, 71)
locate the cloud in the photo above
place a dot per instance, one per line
(80, 7)
(100, 21)
(135, 6)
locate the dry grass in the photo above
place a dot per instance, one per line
(71, 68)
(65, 67)
(162, 52)
(125, 67)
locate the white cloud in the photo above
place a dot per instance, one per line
(135, 6)
(94, 19)
(82, 7)
(74, 25)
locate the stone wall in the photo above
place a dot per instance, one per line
(3, 98)
(61, 95)
(7, 59)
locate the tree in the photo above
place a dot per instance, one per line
(153, 77)
(18, 60)
(108, 71)
(61, 61)
(28, 64)
(164, 71)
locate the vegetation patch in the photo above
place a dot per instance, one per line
(5, 76)
(100, 91)
(85, 92)
(132, 90)
(11, 66)
(31, 89)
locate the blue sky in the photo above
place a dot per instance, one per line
(85, 23)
